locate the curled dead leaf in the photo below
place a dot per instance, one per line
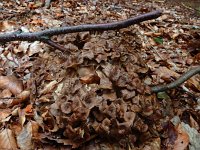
(90, 79)
(11, 83)
(49, 87)
(166, 74)
(22, 97)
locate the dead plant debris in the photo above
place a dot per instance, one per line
(99, 95)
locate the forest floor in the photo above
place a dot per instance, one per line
(96, 94)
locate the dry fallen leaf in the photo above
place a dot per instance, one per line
(90, 79)
(182, 140)
(23, 47)
(6, 25)
(21, 97)
(24, 139)
(194, 83)
(194, 136)
(166, 74)
(153, 144)
(35, 48)
(4, 113)
(12, 83)
(29, 109)
(5, 93)
(7, 140)
(49, 87)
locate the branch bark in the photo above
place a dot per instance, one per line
(47, 34)
(56, 45)
(178, 82)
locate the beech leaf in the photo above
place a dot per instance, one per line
(7, 140)
(12, 83)
(24, 139)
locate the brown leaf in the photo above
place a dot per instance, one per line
(166, 74)
(5, 93)
(90, 79)
(4, 113)
(193, 123)
(35, 48)
(21, 97)
(105, 83)
(12, 83)
(197, 58)
(129, 117)
(29, 109)
(182, 140)
(152, 144)
(24, 139)
(49, 87)
(193, 83)
(107, 95)
(6, 25)
(127, 94)
(7, 140)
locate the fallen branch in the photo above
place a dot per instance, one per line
(176, 83)
(56, 45)
(45, 35)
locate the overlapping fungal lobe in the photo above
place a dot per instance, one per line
(99, 101)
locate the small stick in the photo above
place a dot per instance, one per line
(56, 45)
(176, 83)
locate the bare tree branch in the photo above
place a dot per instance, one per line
(46, 34)
(176, 83)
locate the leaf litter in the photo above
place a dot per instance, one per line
(98, 95)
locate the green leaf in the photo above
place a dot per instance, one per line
(163, 95)
(158, 40)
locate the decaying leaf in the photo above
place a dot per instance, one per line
(4, 113)
(90, 79)
(6, 25)
(23, 47)
(21, 98)
(95, 92)
(24, 139)
(11, 83)
(49, 87)
(34, 48)
(194, 136)
(182, 140)
(7, 140)
(166, 74)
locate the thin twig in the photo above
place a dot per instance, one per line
(188, 7)
(176, 83)
(56, 45)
